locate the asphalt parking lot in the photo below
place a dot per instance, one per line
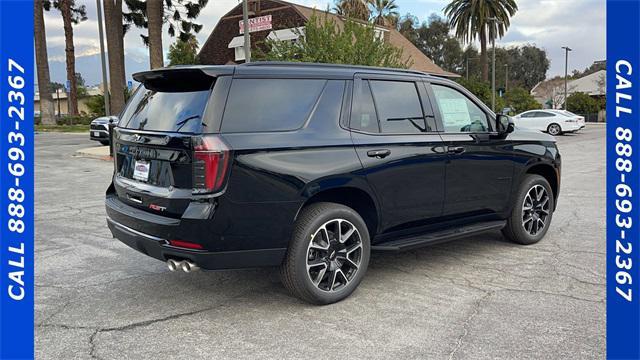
(477, 298)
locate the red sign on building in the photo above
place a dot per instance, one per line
(257, 24)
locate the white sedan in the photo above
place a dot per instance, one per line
(555, 122)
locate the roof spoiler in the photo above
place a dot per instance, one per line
(181, 78)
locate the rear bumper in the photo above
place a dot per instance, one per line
(158, 248)
(150, 234)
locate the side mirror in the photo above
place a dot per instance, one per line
(504, 125)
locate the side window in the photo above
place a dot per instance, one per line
(363, 111)
(399, 108)
(255, 105)
(545, 114)
(529, 114)
(459, 114)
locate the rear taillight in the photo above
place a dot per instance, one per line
(210, 163)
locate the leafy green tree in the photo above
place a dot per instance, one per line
(435, 41)
(482, 90)
(528, 66)
(184, 52)
(95, 104)
(407, 25)
(581, 103)
(520, 100)
(471, 20)
(324, 42)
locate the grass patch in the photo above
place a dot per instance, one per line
(62, 128)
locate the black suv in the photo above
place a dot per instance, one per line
(311, 167)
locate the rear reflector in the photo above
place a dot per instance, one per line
(211, 159)
(185, 244)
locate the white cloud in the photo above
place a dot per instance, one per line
(549, 24)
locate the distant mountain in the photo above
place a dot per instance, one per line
(91, 69)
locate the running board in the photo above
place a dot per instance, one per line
(438, 236)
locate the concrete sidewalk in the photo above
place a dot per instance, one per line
(98, 152)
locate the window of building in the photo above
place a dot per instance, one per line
(459, 113)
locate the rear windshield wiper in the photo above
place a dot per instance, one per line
(181, 123)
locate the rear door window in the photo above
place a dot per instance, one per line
(363, 114)
(166, 109)
(260, 105)
(398, 105)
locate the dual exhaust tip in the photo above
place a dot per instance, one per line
(184, 265)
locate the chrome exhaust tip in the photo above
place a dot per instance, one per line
(188, 266)
(173, 265)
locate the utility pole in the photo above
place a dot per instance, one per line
(506, 77)
(566, 69)
(247, 38)
(494, 21)
(467, 68)
(105, 85)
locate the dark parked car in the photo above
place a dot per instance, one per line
(99, 128)
(311, 167)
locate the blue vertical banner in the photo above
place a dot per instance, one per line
(623, 182)
(16, 180)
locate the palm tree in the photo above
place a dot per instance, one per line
(115, 48)
(385, 12)
(71, 14)
(151, 15)
(355, 9)
(471, 20)
(47, 111)
(154, 17)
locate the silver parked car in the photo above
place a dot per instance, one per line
(100, 129)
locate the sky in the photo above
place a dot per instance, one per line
(549, 24)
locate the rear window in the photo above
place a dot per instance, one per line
(166, 109)
(258, 105)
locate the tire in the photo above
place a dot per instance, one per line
(554, 129)
(521, 230)
(104, 142)
(302, 270)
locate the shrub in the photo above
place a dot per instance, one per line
(581, 103)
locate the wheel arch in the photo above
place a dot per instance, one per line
(360, 200)
(548, 172)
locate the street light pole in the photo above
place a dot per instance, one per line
(105, 86)
(247, 38)
(566, 69)
(494, 21)
(467, 68)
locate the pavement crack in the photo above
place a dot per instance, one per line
(465, 326)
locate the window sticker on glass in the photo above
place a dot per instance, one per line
(455, 112)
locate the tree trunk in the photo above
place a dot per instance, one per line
(47, 112)
(115, 49)
(155, 10)
(484, 59)
(72, 96)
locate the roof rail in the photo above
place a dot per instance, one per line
(339, 66)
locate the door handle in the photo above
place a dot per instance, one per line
(379, 154)
(455, 149)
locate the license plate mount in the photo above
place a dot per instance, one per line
(141, 170)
